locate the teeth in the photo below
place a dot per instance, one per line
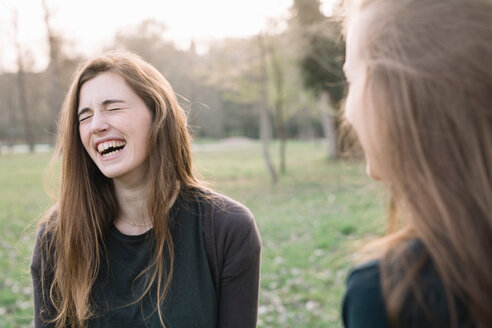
(111, 153)
(105, 145)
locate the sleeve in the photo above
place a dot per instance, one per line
(363, 304)
(238, 250)
(42, 303)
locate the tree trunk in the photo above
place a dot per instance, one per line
(265, 131)
(305, 124)
(21, 85)
(328, 119)
(54, 99)
(53, 71)
(12, 118)
(278, 74)
(21, 91)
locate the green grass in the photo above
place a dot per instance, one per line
(312, 224)
(22, 201)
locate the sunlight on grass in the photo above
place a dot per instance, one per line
(310, 222)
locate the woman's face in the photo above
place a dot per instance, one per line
(114, 126)
(358, 105)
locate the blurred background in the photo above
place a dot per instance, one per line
(229, 62)
(263, 85)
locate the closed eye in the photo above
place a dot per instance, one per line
(84, 114)
(112, 109)
(84, 117)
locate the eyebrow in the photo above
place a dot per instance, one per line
(104, 104)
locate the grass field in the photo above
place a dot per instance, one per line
(312, 223)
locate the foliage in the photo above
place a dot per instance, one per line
(324, 52)
(322, 67)
(219, 88)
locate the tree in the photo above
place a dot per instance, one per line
(21, 89)
(8, 108)
(184, 69)
(264, 121)
(53, 71)
(233, 68)
(299, 108)
(322, 64)
(278, 82)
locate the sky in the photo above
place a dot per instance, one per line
(89, 25)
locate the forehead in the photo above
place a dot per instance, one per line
(352, 51)
(104, 85)
(357, 37)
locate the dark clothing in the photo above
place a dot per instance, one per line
(364, 306)
(233, 248)
(216, 274)
(192, 289)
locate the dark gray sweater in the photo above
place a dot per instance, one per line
(232, 246)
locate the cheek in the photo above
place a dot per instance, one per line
(356, 114)
(349, 111)
(146, 129)
(353, 114)
(84, 136)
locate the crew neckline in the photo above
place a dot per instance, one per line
(121, 235)
(117, 233)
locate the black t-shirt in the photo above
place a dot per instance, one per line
(191, 301)
(364, 306)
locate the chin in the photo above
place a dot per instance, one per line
(370, 172)
(111, 172)
(110, 175)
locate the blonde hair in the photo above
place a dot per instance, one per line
(429, 79)
(87, 206)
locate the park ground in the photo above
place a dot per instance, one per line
(313, 224)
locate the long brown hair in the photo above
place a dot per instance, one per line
(429, 80)
(87, 205)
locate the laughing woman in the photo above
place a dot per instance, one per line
(134, 239)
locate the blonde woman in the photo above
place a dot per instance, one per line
(420, 100)
(135, 240)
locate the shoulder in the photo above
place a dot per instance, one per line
(367, 275)
(44, 235)
(230, 231)
(363, 304)
(364, 274)
(39, 244)
(229, 216)
(227, 207)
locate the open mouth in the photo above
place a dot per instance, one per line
(110, 148)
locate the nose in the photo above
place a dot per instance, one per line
(99, 123)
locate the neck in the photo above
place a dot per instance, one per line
(133, 215)
(134, 218)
